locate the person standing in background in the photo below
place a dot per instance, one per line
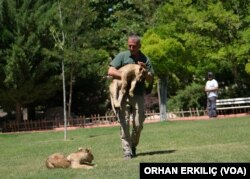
(211, 89)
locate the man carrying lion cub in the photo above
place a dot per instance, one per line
(131, 103)
(130, 75)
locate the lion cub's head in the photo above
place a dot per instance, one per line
(87, 155)
(81, 156)
(140, 73)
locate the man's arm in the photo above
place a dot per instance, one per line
(211, 89)
(149, 77)
(112, 71)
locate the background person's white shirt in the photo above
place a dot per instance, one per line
(212, 84)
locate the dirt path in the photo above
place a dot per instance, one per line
(158, 120)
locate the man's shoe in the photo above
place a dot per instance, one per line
(133, 151)
(127, 157)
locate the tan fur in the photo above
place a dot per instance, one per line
(130, 75)
(57, 160)
(82, 158)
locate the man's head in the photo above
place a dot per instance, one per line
(134, 44)
(210, 75)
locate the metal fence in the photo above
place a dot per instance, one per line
(96, 120)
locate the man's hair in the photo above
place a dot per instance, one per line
(210, 74)
(135, 37)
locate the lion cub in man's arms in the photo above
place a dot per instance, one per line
(79, 159)
(130, 75)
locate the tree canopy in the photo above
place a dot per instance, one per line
(184, 40)
(200, 37)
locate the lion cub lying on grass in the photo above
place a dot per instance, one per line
(131, 74)
(79, 159)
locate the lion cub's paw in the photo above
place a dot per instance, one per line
(131, 94)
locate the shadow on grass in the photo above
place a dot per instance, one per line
(156, 152)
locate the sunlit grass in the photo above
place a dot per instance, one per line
(23, 155)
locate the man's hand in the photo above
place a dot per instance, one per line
(142, 64)
(149, 76)
(211, 89)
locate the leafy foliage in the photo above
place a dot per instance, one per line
(211, 36)
(184, 40)
(27, 72)
(193, 96)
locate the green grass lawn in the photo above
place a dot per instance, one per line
(23, 155)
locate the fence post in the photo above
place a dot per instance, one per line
(190, 111)
(83, 120)
(197, 111)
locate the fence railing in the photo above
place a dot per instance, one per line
(95, 120)
(29, 125)
(82, 121)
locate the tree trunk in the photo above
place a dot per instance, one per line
(31, 113)
(162, 93)
(70, 93)
(19, 113)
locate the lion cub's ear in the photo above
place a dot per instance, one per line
(80, 149)
(142, 69)
(88, 150)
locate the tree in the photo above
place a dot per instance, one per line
(164, 54)
(116, 19)
(210, 36)
(28, 75)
